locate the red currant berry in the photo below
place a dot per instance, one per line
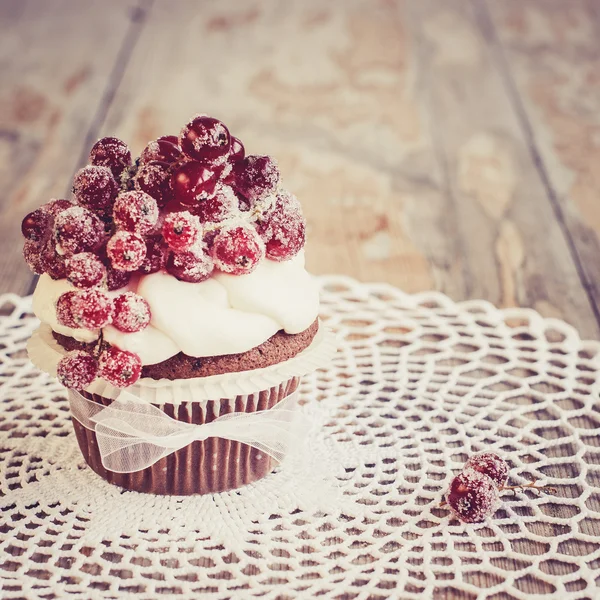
(126, 251)
(172, 139)
(192, 266)
(237, 250)
(78, 230)
(56, 206)
(135, 211)
(181, 230)
(132, 312)
(33, 257)
(115, 279)
(85, 270)
(154, 178)
(156, 255)
(205, 138)
(160, 150)
(95, 187)
(218, 208)
(52, 262)
(92, 309)
(64, 310)
(113, 153)
(77, 370)
(472, 496)
(489, 464)
(193, 182)
(283, 228)
(119, 367)
(34, 226)
(255, 177)
(237, 151)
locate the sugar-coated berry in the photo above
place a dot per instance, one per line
(55, 206)
(33, 257)
(156, 255)
(113, 153)
(85, 270)
(119, 367)
(135, 211)
(77, 370)
(237, 250)
(132, 312)
(489, 464)
(34, 226)
(52, 262)
(126, 251)
(181, 230)
(154, 178)
(255, 177)
(95, 187)
(237, 151)
(472, 496)
(192, 266)
(115, 280)
(193, 182)
(218, 208)
(64, 310)
(205, 138)
(92, 309)
(77, 229)
(283, 228)
(161, 150)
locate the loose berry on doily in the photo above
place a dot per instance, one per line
(283, 228)
(205, 138)
(55, 206)
(33, 257)
(154, 178)
(77, 370)
(52, 262)
(113, 153)
(191, 266)
(77, 229)
(489, 464)
(237, 250)
(218, 208)
(236, 151)
(132, 312)
(92, 309)
(64, 310)
(156, 255)
(161, 150)
(34, 226)
(116, 279)
(119, 367)
(95, 187)
(255, 177)
(126, 251)
(135, 211)
(181, 230)
(193, 182)
(85, 270)
(472, 496)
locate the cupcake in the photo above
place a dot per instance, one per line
(175, 281)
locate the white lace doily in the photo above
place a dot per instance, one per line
(419, 383)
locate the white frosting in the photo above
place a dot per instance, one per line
(226, 314)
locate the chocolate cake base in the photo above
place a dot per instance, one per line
(212, 465)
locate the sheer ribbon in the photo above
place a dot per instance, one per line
(133, 435)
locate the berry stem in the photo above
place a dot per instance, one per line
(520, 488)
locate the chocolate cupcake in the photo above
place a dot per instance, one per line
(174, 277)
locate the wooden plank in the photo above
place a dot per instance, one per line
(330, 91)
(55, 63)
(515, 250)
(552, 53)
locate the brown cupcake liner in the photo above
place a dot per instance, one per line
(202, 467)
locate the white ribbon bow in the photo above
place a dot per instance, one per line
(133, 435)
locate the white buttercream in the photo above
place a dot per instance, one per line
(226, 314)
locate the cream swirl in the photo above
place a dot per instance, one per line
(227, 314)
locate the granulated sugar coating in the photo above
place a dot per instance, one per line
(283, 228)
(154, 178)
(238, 250)
(472, 496)
(126, 251)
(77, 369)
(119, 367)
(95, 187)
(91, 309)
(160, 150)
(135, 211)
(85, 270)
(489, 464)
(192, 266)
(132, 312)
(77, 229)
(181, 230)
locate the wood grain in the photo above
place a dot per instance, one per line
(56, 61)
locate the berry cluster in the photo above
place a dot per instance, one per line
(188, 205)
(474, 494)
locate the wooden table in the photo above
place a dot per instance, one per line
(434, 144)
